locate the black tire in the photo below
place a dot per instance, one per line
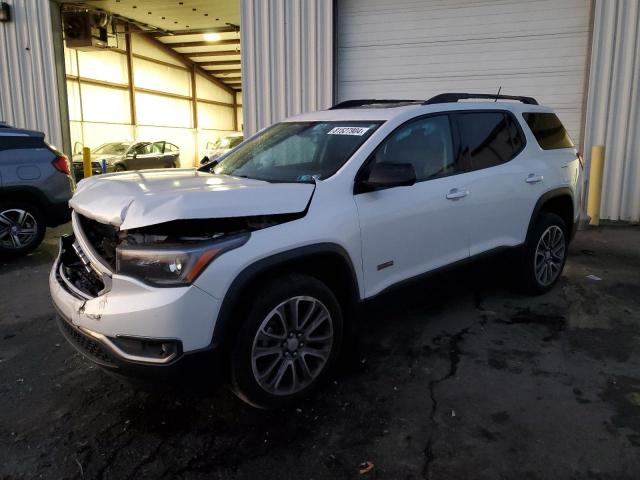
(528, 279)
(9, 214)
(278, 290)
(119, 168)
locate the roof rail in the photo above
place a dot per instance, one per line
(371, 101)
(454, 97)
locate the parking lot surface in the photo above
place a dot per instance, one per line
(455, 377)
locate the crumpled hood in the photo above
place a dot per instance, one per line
(137, 199)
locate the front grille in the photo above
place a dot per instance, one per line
(86, 345)
(77, 272)
(102, 237)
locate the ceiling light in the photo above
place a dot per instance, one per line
(211, 37)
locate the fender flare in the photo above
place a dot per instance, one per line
(545, 197)
(225, 327)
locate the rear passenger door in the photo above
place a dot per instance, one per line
(503, 185)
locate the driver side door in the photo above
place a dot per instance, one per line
(407, 231)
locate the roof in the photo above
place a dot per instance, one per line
(9, 131)
(388, 112)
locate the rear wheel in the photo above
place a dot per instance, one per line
(22, 228)
(544, 254)
(288, 343)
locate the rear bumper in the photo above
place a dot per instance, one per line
(125, 325)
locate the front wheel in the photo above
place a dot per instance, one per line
(119, 168)
(544, 254)
(22, 228)
(288, 344)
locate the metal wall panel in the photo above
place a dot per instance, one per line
(28, 86)
(417, 49)
(613, 105)
(287, 59)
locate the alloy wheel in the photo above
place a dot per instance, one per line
(292, 345)
(18, 228)
(549, 256)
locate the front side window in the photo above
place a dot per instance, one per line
(141, 148)
(297, 151)
(424, 143)
(548, 130)
(487, 139)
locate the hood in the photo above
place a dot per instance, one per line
(137, 199)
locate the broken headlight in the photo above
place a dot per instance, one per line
(172, 265)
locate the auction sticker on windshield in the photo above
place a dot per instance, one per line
(359, 131)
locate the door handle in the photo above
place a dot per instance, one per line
(533, 178)
(455, 193)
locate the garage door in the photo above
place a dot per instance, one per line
(417, 49)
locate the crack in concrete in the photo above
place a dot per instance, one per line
(454, 359)
(112, 456)
(148, 459)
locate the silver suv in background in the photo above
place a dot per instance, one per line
(122, 156)
(35, 188)
(220, 147)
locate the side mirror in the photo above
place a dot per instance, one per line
(388, 175)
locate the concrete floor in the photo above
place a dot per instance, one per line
(454, 378)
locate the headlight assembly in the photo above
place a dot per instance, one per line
(172, 265)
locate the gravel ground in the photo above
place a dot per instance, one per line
(456, 377)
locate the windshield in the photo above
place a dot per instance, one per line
(112, 149)
(297, 151)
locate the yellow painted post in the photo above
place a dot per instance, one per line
(86, 161)
(595, 184)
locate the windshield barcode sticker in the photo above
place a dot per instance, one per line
(359, 131)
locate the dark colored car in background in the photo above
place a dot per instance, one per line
(121, 156)
(35, 188)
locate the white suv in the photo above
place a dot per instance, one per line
(256, 264)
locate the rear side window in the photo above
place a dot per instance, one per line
(20, 142)
(487, 139)
(548, 130)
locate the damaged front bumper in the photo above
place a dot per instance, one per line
(122, 324)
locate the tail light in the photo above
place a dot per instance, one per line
(61, 163)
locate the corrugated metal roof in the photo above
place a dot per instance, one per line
(28, 86)
(613, 105)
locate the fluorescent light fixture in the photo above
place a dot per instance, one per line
(212, 37)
